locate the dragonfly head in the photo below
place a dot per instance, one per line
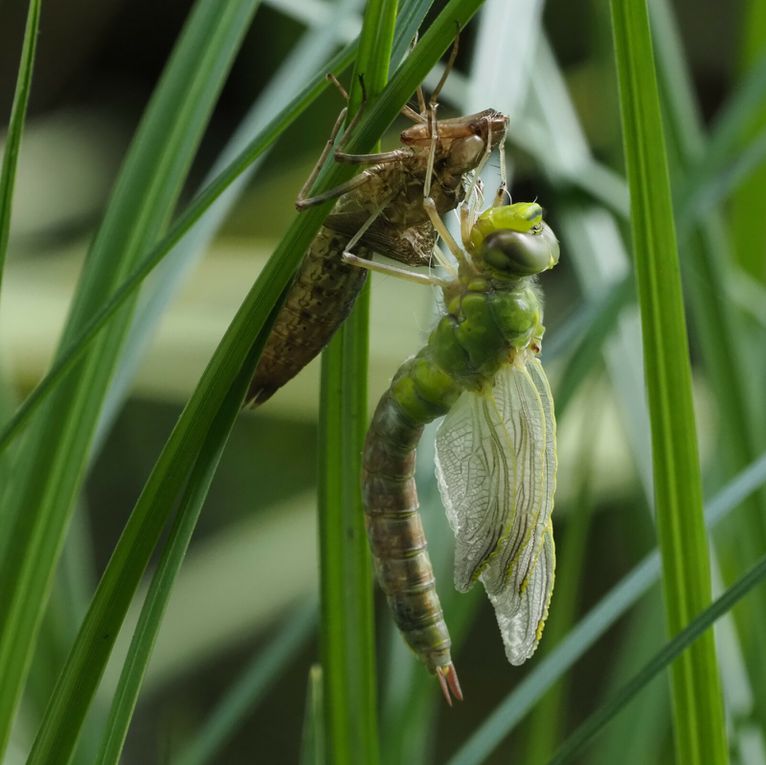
(513, 241)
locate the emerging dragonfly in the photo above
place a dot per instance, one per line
(495, 449)
(380, 210)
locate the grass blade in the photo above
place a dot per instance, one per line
(49, 469)
(232, 362)
(16, 127)
(79, 345)
(182, 468)
(313, 747)
(347, 634)
(153, 609)
(719, 328)
(591, 627)
(700, 732)
(749, 204)
(674, 648)
(255, 681)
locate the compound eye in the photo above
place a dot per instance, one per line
(516, 254)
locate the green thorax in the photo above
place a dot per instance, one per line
(493, 312)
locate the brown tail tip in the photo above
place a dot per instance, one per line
(449, 683)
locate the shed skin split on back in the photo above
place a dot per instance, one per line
(390, 203)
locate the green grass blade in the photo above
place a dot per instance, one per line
(79, 345)
(749, 204)
(700, 732)
(718, 331)
(234, 354)
(347, 632)
(51, 463)
(347, 635)
(250, 688)
(16, 127)
(153, 609)
(207, 418)
(312, 746)
(591, 627)
(674, 648)
(377, 117)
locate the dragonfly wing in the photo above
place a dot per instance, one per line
(521, 615)
(477, 475)
(495, 465)
(496, 469)
(519, 580)
(526, 389)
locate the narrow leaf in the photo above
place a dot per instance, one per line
(16, 127)
(700, 732)
(672, 649)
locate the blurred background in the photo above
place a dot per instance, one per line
(252, 566)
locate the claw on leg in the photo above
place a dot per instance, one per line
(449, 683)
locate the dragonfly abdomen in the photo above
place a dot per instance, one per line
(396, 535)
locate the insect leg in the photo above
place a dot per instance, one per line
(379, 158)
(337, 191)
(447, 69)
(443, 261)
(421, 101)
(354, 260)
(335, 81)
(430, 208)
(303, 199)
(397, 271)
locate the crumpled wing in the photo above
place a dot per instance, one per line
(521, 615)
(496, 469)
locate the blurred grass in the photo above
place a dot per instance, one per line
(748, 204)
(347, 633)
(16, 127)
(143, 200)
(555, 160)
(698, 717)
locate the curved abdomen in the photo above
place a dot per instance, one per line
(393, 522)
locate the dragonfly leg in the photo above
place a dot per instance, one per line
(430, 208)
(397, 271)
(433, 132)
(444, 261)
(304, 200)
(447, 69)
(379, 158)
(335, 81)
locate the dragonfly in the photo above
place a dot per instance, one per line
(495, 448)
(381, 210)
